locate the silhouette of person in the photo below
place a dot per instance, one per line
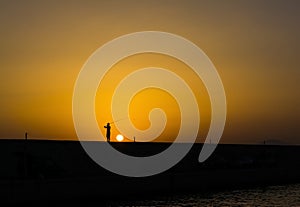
(107, 131)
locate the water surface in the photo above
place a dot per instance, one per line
(287, 195)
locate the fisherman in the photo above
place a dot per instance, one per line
(107, 131)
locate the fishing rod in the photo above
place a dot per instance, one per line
(119, 120)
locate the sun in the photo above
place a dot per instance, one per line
(120, 138)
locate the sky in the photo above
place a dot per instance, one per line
(254, 45)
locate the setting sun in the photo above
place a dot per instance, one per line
(120, 138)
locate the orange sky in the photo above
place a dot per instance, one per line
(254, 46)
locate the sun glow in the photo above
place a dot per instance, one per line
(120, 138)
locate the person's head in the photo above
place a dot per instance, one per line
(107, 124)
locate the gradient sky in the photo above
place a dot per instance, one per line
(254, 45)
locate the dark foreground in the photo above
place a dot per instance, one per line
(60, 171)
(278, 195)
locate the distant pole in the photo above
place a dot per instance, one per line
(133, 139)
(26, 135)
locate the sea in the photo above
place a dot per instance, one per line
(283, 195)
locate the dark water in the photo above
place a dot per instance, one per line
(288, 195)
